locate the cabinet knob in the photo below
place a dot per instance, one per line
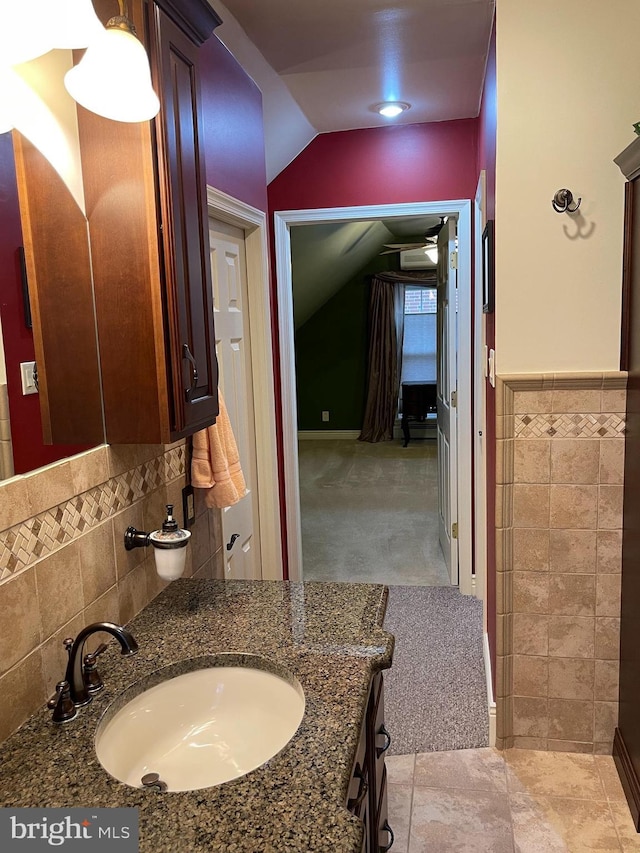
(387, 828)
(380, 750)
(186, 353)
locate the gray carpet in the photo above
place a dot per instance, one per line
(435, 692)
(369, 512)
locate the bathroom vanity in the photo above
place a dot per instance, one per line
(324, 791)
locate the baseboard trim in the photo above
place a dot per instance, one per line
(329, 434)
(628, 776)
(491, 705)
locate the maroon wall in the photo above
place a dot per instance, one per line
(233, 129)
(385, 165)
(487, 161)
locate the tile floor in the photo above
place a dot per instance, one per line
(518, 801)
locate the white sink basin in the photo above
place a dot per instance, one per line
(200, 728)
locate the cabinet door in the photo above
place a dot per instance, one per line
(627, 740)
(382, 738)
(193, 371)
(358, 795)
(383, 832)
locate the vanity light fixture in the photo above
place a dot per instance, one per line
(74, 23)
(169, 545)
(26, 31)
(31, 28)
(391, 109)
(113, 78)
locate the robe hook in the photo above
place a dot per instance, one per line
(563, 200)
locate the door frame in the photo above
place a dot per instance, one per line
(254, 224)
(283, 221)
(480, 365)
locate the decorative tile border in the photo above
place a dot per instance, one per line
(23, 544)
(569, 426)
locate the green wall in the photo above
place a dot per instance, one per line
(331, 355)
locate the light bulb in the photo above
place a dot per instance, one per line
(391, 109)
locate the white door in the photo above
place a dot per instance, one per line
(240, 523)
(447, 393)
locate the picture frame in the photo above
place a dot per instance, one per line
(488, 262)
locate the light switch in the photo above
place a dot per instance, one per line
(325, 417)
(492, 368)
(29, 377)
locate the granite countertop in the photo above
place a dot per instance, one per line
(328, 635)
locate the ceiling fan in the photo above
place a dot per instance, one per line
(430, 240)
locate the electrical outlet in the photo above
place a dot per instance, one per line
(188, 507)
(29, 377)
(325, 417)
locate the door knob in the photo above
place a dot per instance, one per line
(231, 541)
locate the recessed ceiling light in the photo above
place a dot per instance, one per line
(391, 109)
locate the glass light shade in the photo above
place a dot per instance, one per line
(26, 30)
(75, 24)
(113, 78)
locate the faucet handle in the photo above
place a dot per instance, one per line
(90, 674)
(62, 704)
(68, 644)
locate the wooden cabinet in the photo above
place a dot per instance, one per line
(626, 747)
(145, 192)
(367, 795)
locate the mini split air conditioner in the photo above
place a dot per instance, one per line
(415, 259)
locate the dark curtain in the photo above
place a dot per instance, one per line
(382, 391)
(386, 321)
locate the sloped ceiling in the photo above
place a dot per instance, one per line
(333, 60)
(326, 256)
(339, 58)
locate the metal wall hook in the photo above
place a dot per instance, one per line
(563, 200)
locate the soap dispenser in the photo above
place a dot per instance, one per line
(169, 545)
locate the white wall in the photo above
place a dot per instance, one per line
(568, 94)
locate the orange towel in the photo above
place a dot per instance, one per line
(215, 465)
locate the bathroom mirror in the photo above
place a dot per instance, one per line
(39, 211)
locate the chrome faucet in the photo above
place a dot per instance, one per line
(76, 689)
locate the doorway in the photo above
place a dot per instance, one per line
(261, 421)
(283, 222)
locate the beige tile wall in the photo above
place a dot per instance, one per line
(63, 564)
(560, 468)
